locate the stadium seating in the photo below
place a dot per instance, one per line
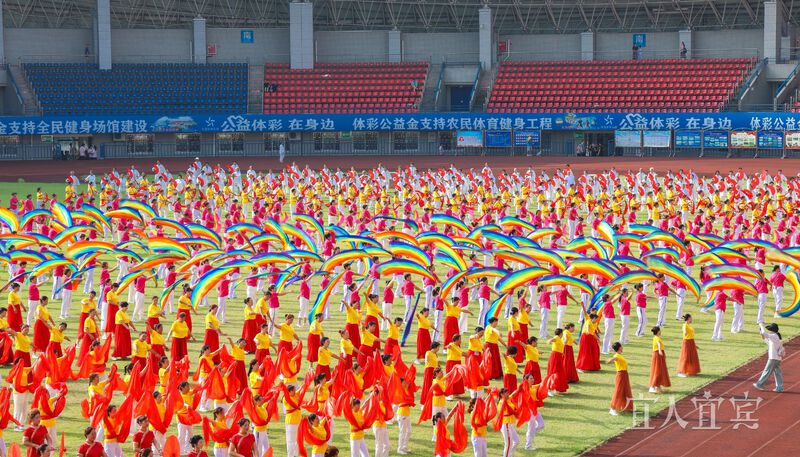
(618, 85)
(345, 88)
(68, 89)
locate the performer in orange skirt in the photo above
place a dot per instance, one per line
(569, 354)
(555, 363)
(238, 356)
(659, 375)
(112, 305)
(622, 398)
(515, 337)
(22, 344)
(56, 338)
(524, 316)
(431, 363)
(492, 340)
(454, 353)
(346, 348)
(6, 342)
(212, 334)
(87, 304)
(373, 312)
(532, 361)
(589, 349)
(369, 344)
(41, 326)
(250, 326)
(688, 362)
(452, 311)
(179, 334)
(314, 338)
(423, 334)
(90, 334)
(154, 313)
(15, 308)
(393, 337)
(353, 323)
(122, 333)
(263, 343)
(156, 346)
(510, 369)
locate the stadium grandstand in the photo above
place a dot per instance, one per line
(398, 77)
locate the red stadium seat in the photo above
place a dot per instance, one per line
(620, 85)
(346, 87)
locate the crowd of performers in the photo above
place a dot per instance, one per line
(460, 266)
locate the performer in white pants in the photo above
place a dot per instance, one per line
(720, 305)
(680, 297)
(608, 327)
(762, 287)
(404, 428)
(535, 425)
(777, 279)
(641, 308)
(737, 297)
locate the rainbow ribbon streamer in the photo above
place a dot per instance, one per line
(323, 296)
(495, 307)
(409, 320)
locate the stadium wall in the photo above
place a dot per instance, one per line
(272, 45)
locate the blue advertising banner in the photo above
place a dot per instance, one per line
(715, 139)
(688, 139)
(469, 139)
(770, 140)
(497, 139)
(431, 122)
(532, 138)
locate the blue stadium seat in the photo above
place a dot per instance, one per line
(65, 89)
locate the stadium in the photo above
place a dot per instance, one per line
(420, 178)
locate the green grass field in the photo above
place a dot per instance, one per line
(574, 422)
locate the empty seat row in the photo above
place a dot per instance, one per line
(676, 84)
(71, 89)
(345, 88)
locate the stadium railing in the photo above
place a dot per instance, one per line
(128, 150)
(627, 54)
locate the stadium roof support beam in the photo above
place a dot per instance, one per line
(749, 9)
(652, 17)
(613, 5)
(584, 16)
(548, 4)
(716, 12)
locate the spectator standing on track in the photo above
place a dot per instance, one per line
(775, 353)
(281, 152)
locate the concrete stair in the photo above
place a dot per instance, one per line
(484, 87)
(428, 103)
(255, 89)
(30, 105)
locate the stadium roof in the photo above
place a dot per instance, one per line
(510, 16)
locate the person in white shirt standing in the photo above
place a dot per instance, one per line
(775, 353)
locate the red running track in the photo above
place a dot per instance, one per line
(57, 171)
(776, 429)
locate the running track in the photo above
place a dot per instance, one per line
(778, 419)
(56, 170)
